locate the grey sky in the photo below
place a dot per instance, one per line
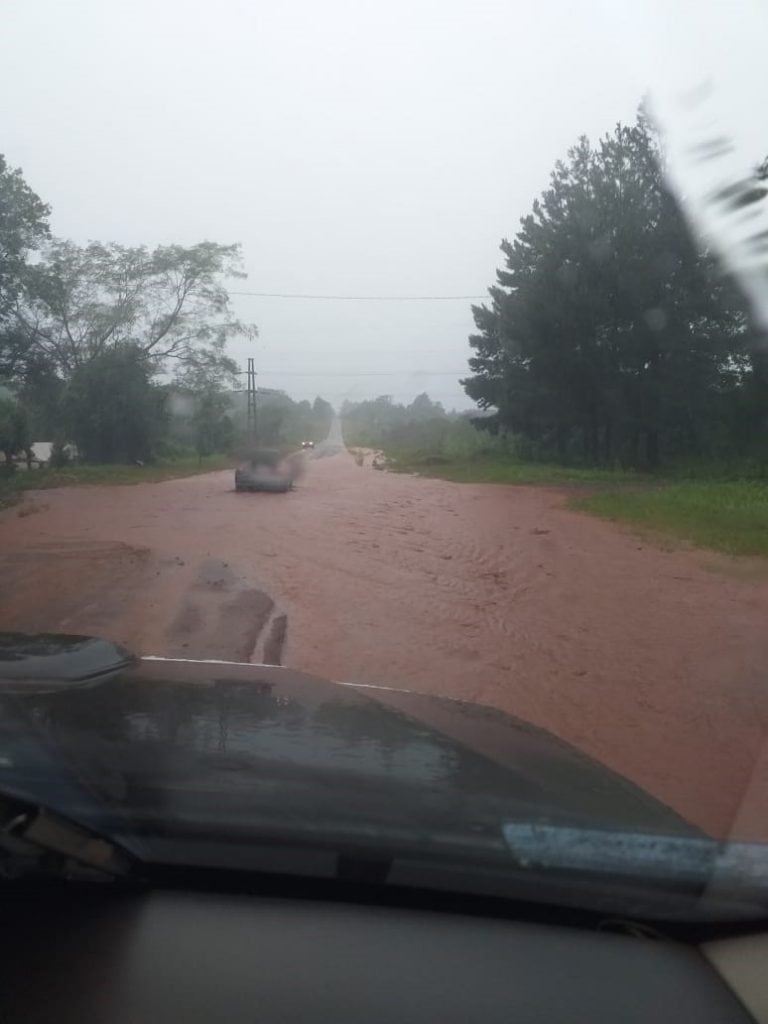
(351, 147)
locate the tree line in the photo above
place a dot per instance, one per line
(121, 350)
(612, 335)
(382, 422)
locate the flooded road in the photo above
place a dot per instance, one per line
(652, 661)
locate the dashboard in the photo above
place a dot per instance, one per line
(190, 956)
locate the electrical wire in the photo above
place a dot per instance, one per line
(356, 374)
(364, 298)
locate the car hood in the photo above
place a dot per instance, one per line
(165, 754)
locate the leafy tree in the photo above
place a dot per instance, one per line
(112, 410)
(281, 422)
(14, 428)
(214, 429)
(23, 227)
(206, 379)
(322, 415)
(276, 421)
(380, 421)
(168, 303)
(40, 389)
(423, 408)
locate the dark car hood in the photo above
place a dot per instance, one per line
(164, 751)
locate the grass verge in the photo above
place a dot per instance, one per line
(494, 470)
(12, 488)
(727, 516)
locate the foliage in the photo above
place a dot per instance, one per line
(610, 335)
(23, 227)
(207, 371)
(61, 455)
(112, 410)
(282, 422)
(214, 429)
(14, 428)
(204, 381)
(40, 390)
(169, 303)
(84, 331)
(320, 422)
(380, 422)
(491, 467)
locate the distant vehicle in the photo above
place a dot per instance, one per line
(307, 444)
(265, 470)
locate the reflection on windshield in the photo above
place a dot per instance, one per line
(256, 753)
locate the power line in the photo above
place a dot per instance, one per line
(364, 298)
(366, 373)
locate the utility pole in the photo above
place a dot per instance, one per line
(252, 420)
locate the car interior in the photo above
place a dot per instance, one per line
(206, 946)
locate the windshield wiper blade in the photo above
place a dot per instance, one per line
(27, 828)
(695, 862)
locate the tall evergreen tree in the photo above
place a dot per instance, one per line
(609, 334)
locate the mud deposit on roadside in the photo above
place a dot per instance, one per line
(72, 585)
(127, 594)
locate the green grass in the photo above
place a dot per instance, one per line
(13, 487)
(727, 516)
(499, 470)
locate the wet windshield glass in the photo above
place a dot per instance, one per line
(417, 346)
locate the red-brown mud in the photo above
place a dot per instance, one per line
(652, 661)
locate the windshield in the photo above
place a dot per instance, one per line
(414, 346)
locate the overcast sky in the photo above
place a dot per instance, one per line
(352, 148)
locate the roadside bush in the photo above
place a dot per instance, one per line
(60, 455)
(14, 428)
(171, 451)
(113, 411)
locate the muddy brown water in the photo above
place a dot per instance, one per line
(652, 661)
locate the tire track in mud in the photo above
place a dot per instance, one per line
(221, 618)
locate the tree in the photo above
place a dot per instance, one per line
(168, 303)
(206, 377)
(214, 429)
(321, 418)
(380, 421)
(40, 390)
(609, 333)
(23, 227)
(112, 410)
(14, 428)
(280, 421)
(423, 408)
